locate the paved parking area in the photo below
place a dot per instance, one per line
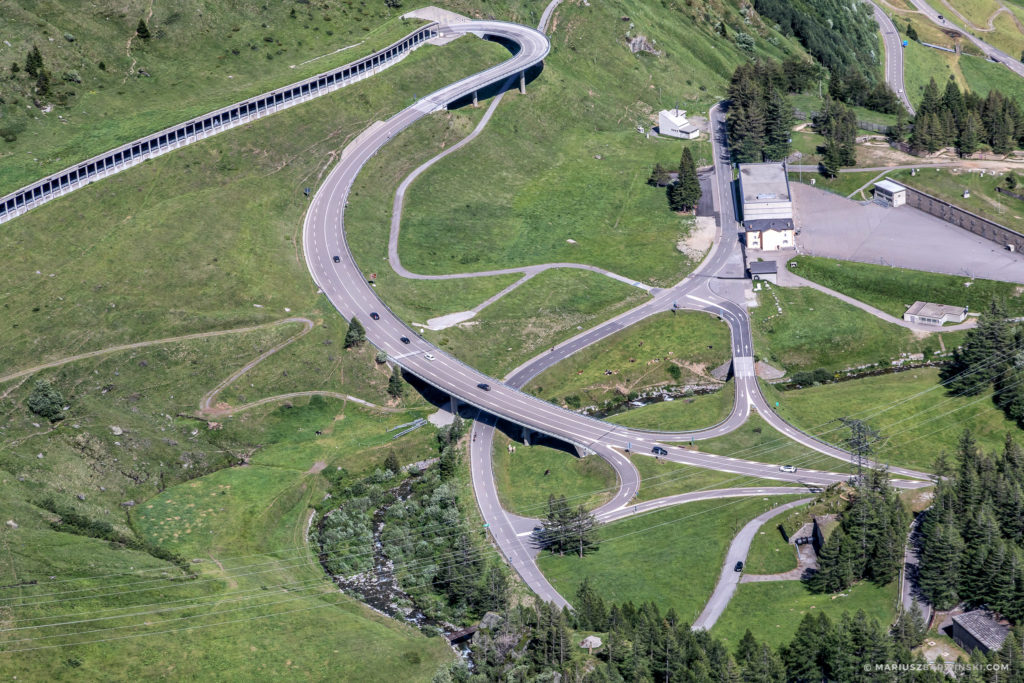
(839, 228)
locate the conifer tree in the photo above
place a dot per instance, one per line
(356, 334)
(396, 386)
(142, 30)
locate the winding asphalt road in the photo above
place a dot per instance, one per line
(893, 55)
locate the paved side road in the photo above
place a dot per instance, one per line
(893, 55)
(729, 578)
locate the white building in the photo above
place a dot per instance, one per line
(888, 193)
(764, 270)
(672, 122)
(934, 314)
(767, 207)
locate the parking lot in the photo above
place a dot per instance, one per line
(836, 227)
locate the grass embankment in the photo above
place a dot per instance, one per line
(660, 478)
(984, 199)
(756, 440)
(194, 62)
(639, 358)
(694, 412)
(527, 477)
(118, 448)
(815, 330)
(919, 419)
(776, 608)
(210, 231)
(844, 184)
(770, 553)
(682, 550)
(810, 102)
(893, 290)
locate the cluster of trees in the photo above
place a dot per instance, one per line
(565, 529)
(838, 125)
(541, 643)
(438, 560)
(840, 35)
(992, 357)
(966, 120)
(972, 538)
(760, 117)
(35, 68)
(869, 541)
(46, 401)
(855, 89)
(685, 192)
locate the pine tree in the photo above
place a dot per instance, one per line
(583, 531)
(931, 103)
(831, 160)
(659, 176)
(142, 30)
(970, 134)
(556, 535)
(46, 401)
(778, 125)
(590, 610)
(746, 132)
(685, 194)
(356, 334)
(977, 363)
(33, 62)
(391, 463)
(396, 386)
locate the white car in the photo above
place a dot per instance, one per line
(787, 468)
(428, 356)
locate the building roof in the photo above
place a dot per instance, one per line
(760, 224)
(764, 183)
(889, 186)
(676, 116)
(983, 627)
(763, 268)
(930, 310)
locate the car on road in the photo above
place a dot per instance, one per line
(788, 468)
(404, 340)
(658, 450)
(375, 315)
(738, 567)
(942, 18)
(483, 385)
(428, 356)
(337, 259)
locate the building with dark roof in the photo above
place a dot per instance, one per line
(764, 270)
(978, 630)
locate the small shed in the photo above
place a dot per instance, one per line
(589, 643)
(672, 122)
(764, 270)
(888, 193)
(926, 313)
(979, 630)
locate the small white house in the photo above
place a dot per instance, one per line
(764, 270)
(888, 193)
(927, 313)
(672, 122)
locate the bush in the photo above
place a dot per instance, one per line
(807, 378)
(45, 401)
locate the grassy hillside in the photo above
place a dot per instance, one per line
(109, 86)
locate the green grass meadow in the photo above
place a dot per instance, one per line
(682, 550)
(694, 412)
(769, 552)
(909, 408)
(200, 57)
(524, 487)
(638, 358)
(815, 330)
(984, 199)
(773, 610)
(886, 288)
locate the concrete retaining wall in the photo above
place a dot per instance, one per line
(990, 230)
(186, 133)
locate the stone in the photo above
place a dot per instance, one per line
(12, 524)
(116, 430)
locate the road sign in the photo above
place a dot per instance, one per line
(629, 446)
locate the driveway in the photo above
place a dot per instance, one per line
(840, 228)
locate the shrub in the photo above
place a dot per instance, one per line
(45, 401)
